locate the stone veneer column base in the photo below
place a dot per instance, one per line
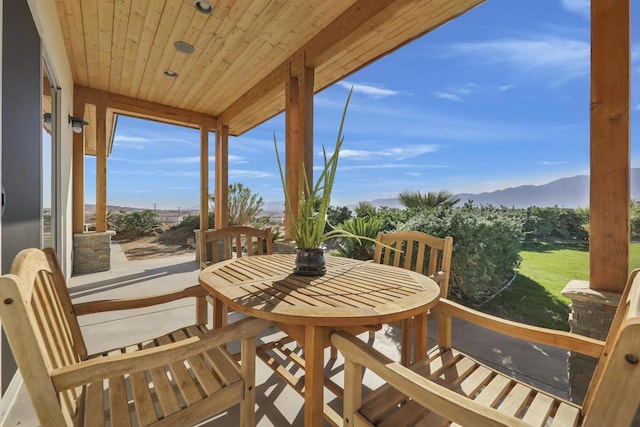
(591, 315)
(92, 252)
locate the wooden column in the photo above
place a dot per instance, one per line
(204, 186)
(101, 166)
(78, 182)
(299, 132)
(610, 164)
(222, 176)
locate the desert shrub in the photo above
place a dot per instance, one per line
(359, 249)
(551, 224)
(138, 223)
(486, 246)
(193, 222)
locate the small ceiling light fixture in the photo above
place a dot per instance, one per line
(46, 121)
(170, 73)
(183, 47)
(77, 124)
(203, 6)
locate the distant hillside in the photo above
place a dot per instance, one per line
(570, 192)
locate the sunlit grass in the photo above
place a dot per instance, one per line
(534, 297)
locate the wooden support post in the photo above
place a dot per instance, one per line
(101, 166)
(610, 168)
(299, 132)
(78, 182)
(222, 176)
(204, 188)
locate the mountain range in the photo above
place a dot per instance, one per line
(569, 192)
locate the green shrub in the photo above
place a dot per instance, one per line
(635, 219)
(336, 215)
(553, 224)
(139, 223)
(392, 218)
(193, 222)
(486, 246)
(359, 249)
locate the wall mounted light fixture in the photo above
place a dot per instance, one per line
(46, 121)
(77, 124)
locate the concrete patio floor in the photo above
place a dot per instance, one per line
(277, 403)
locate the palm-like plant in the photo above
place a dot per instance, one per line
(362, 226)
(432, 199)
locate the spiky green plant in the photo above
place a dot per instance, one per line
(308, 227)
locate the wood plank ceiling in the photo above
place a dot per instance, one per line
(241, 50)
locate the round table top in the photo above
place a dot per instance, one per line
(351, 292)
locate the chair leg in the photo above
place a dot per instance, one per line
(248, 369)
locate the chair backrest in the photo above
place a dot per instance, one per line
(613, 395)
(237, 241)
(42, 330)
(419, 252)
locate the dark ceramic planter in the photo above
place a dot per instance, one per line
(309, 262)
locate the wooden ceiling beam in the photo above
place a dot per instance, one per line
(128, 106)
(357, 22)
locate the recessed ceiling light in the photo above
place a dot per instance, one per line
(203, 6)
(170, 73)
(183, 47)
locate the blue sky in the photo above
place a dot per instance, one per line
(496, 98)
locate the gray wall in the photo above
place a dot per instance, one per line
(21, 142)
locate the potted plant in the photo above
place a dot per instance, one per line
(308, 227)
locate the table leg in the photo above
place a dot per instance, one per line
(314, 376)
(419, 336)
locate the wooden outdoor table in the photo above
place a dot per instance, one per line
(352, 294)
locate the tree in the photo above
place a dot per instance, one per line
(336, 215)
(138, 223)
(432, 199)
(244, 205)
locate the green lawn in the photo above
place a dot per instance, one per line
(534, 297)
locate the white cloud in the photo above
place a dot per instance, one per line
(242, 173)
(557, 58)
(193, 160)
(506, 87)
(126, 138)
(367, 89)
(412, 173)
(391, 166)
(552, 162)
(581, 7)
(448, 96)
(391, 154)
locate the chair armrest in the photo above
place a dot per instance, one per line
(100, 306)
(566, 340)
(99, 368)
(432, 396)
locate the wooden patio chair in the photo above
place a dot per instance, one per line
(180, 378)
(234, 242)
(449, 386)
(421, 253)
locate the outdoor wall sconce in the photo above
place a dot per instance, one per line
(77, 124)
(46, 121)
